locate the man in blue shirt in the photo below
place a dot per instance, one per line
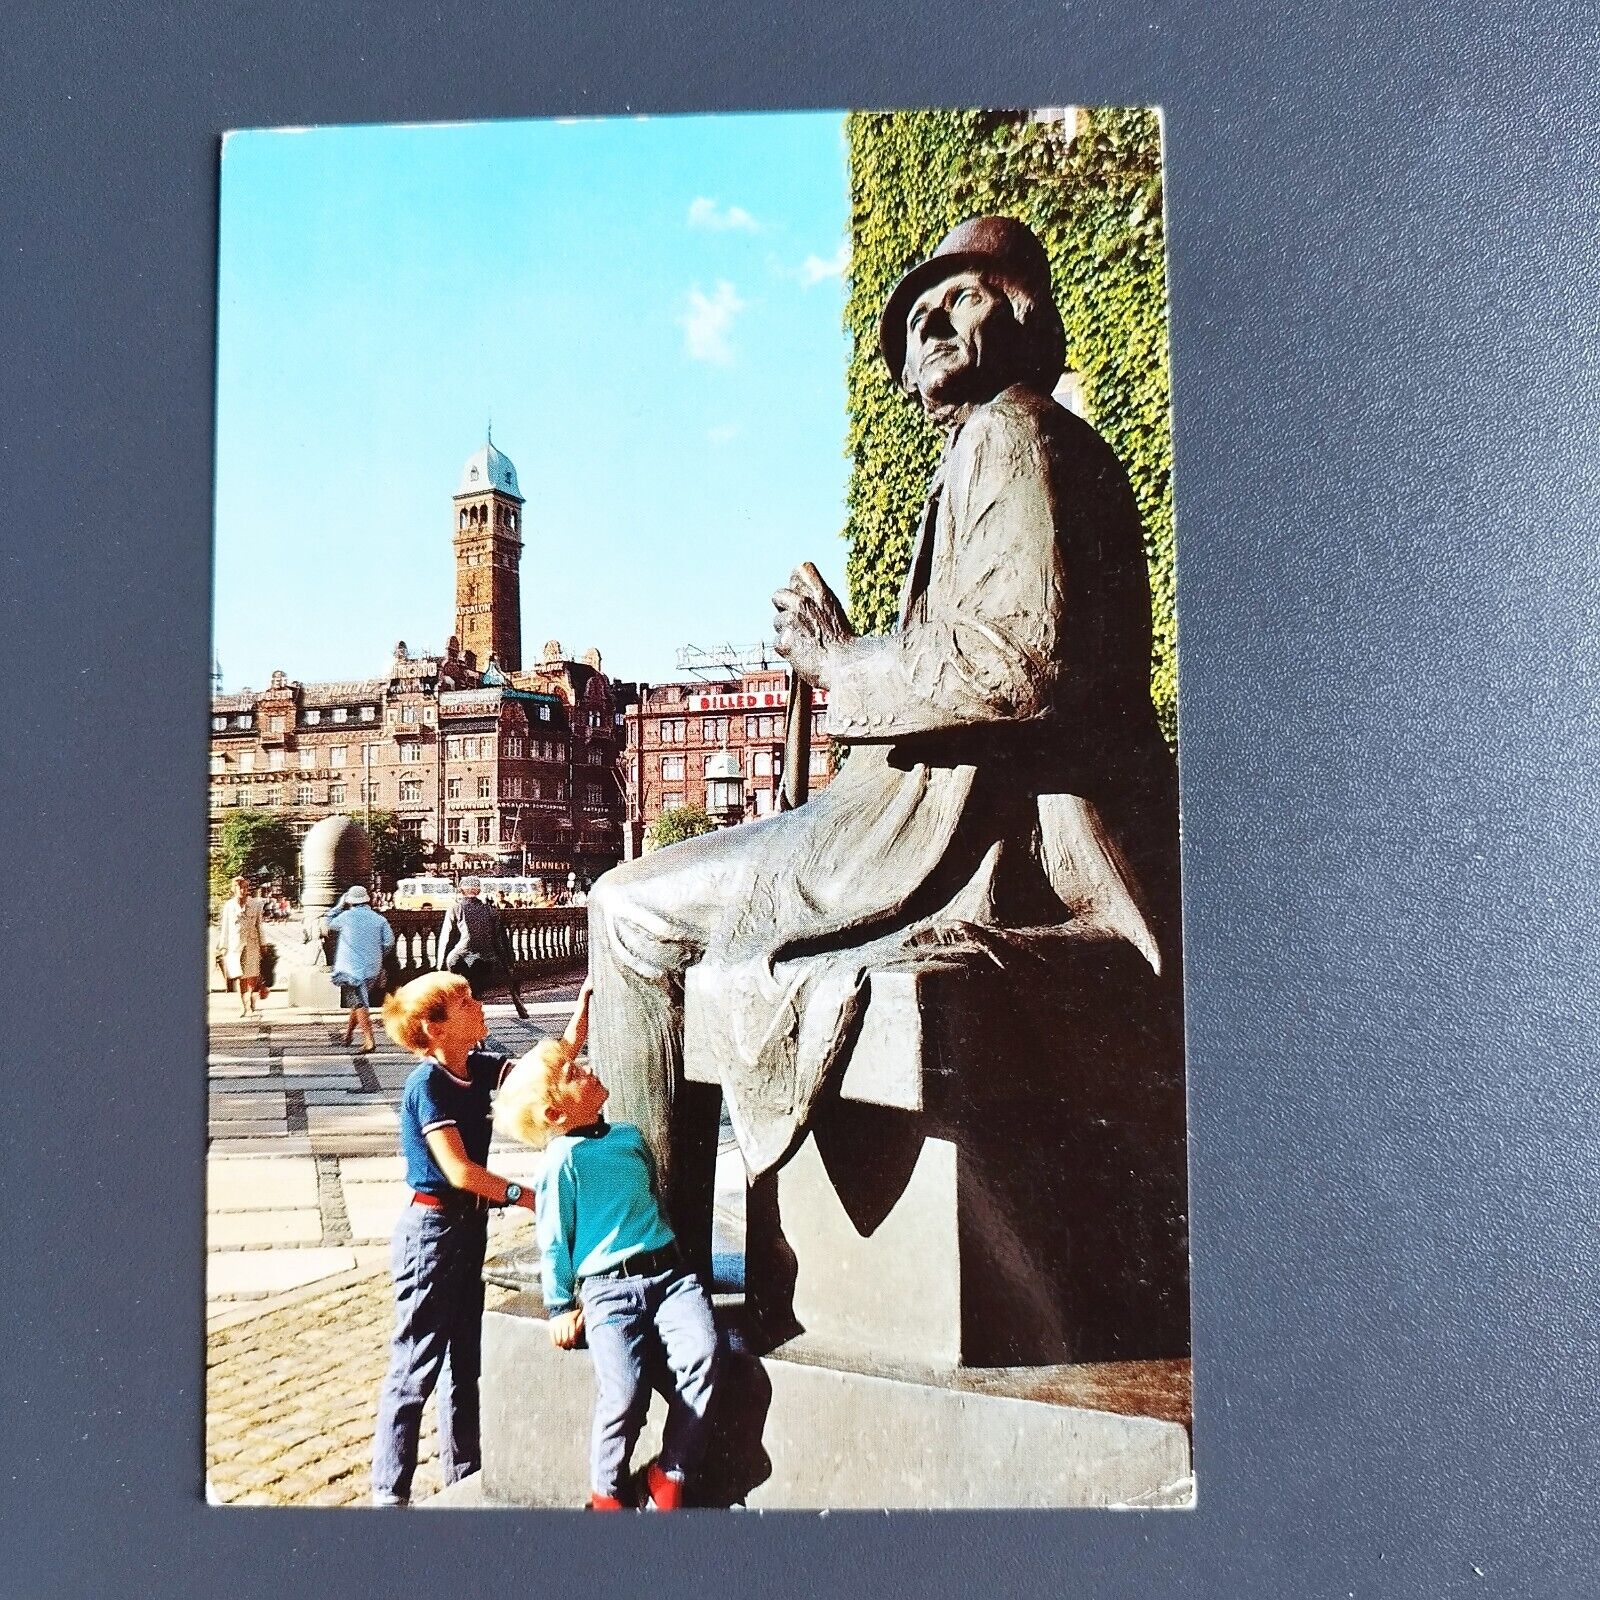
(365, 938)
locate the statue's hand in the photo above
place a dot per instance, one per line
(810, 624)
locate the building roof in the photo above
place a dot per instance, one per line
(487, 468)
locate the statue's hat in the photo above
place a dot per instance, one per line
(996, 244)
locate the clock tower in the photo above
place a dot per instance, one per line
(488, 546)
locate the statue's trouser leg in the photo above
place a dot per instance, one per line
(649, 920)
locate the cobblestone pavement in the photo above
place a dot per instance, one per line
(303, 1187)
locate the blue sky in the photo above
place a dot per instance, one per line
(649, 309)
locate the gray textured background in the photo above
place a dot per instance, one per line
(1384, 304)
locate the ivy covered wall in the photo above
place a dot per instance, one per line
(1090, 187)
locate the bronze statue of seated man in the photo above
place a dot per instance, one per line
(1007, 785)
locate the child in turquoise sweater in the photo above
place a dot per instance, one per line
(612, 1269)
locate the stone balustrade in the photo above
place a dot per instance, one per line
(545, 940)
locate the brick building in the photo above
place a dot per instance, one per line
(492, 767)
(674, 729)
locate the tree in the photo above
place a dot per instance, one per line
(253, 844)
(1090, 188)
(395, 853)
(681, 822)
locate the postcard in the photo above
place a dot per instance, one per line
(695, 986)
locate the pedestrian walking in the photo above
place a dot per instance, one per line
(239, 942)
(365, 938)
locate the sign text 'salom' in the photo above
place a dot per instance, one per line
(767, 700)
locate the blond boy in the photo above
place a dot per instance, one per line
(612, 1269)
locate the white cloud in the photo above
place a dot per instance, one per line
(723, 433)
(815, 270)
(707, 321)
(704, 213)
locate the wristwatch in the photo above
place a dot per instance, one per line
(513, 1193)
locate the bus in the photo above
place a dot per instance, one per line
(423, 894)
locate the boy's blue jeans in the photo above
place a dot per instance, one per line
(437, 1260)
(620, 1316)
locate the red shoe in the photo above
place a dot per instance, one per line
(666, 1492)
(605, 1502)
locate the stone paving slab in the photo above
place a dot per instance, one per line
(259, 1183)
(228, 1230)
(261, 1272)
(372, 1169)
(374, 1208)
(373, 1116)
(258, 1105)
(286, 1144)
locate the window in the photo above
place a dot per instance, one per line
(761, 763)
(369, 790)
(219, 763)
(485, 824)
(544, 713)
(308, 756)
(242, 721)
(469, 748)
(275, 760)
(302, 794)
(452, 748)
(411, 827)
(411, 789)
(336, 754)
(272, 797)
(454, 830)
(513, 789)
(513, 747)
(274, 724)
(218, 724)
(427, 713)
(561, 791)
(369, 755)
(247, 761)
(595, 795)
(619, 719)
(535, 790)
(819, 763)
(408, 713)
(714, 730)
(313, 717)
(672, 730)
(340, 714)
(672, 767)
(336, 794)
(597, 756)
(369, 713)
(411, 752)
(671, 800)
(452, 788)
(483, 787)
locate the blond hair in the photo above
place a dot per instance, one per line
(412, 1007)
(519, 1108)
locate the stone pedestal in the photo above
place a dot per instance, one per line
(807, 1429)
(999, 1180)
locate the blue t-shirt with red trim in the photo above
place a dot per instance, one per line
(434, 1098)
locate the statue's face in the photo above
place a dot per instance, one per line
(960, 335)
